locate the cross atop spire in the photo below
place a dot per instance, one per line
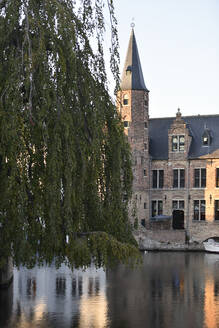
(132, 77)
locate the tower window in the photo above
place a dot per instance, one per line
(145, 125)
(125, 100)
(126, 124)
(145, 173)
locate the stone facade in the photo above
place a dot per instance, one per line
(176, 189)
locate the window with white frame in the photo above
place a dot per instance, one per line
(178, 178)
(178, 204)
(200, 178)
(157, 207)
(199, 210)
(178, 143)
(157, 178)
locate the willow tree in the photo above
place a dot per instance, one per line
(64, 161)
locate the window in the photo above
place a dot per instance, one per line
(206, 138)
(216, 209)
(145, 146)
(158, 178)
(125, 100)
(199, 210)
(145, 125)
(128, 70)
(178, 204)
(145, 206)
(205, 141)
(217, 177)
(157, 207)
(199, 178)
(178, 143)
(145, 173)
(143, 222)
(126, 124)
(178, 178)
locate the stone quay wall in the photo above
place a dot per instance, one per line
(166, 240)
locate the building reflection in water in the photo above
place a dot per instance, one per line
(211, 305)
(169, 290)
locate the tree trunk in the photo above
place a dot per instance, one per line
(6, 274)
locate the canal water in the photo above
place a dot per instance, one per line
(170, 290)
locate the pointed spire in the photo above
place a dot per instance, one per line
(132, 77)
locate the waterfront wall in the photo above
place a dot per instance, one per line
(203, 230)
(168, 240)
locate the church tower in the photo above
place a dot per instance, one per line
(133, 100)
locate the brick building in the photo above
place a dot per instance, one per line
(175, 161)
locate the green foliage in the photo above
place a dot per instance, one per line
(136, 224)
(64, 161)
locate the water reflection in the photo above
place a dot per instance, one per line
(169, 290)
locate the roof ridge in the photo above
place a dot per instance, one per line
(173, 117)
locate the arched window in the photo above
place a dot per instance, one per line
(126, 100)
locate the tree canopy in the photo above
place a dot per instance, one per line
(65, 169)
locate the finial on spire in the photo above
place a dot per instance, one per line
(178, 114)
(132, 23)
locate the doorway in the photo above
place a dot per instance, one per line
(178, 219)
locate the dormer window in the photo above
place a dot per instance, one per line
(206, 138)
(178, 143)
(128, 70)
(125, 100)
(205, 141)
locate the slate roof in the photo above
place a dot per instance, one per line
(132, 76)
(158, 136)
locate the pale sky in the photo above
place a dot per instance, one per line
(178, 44)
